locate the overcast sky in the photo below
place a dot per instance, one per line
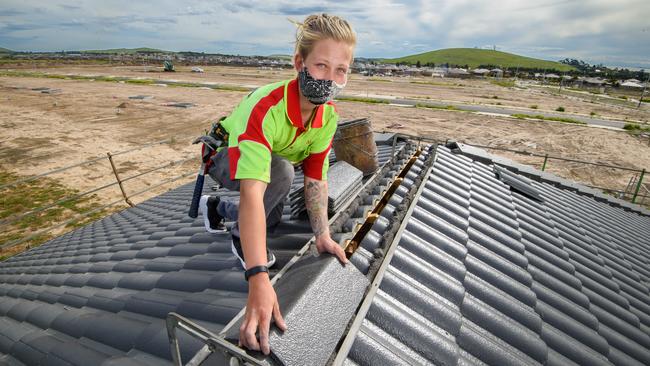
(612, 32)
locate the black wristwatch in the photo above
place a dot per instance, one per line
(255, 270)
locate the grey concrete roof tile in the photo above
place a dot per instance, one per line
(571, 348)
(625, 344)
(115, 331)
(456, 218)
(449, 190)
(606, 303)
(154, 252)
(424, 301)
(639, 309)
(422, 336)
(619, 358)
(429, 275)
(430, 227)
(439, 256)
(570, 326)
(491, 237)
(104, 280)
(495, 322)
(558, 268)
(507, 304)
(9, 360)
(514, 288)
(375, 347)
(504, 265)
(107, 302)
(619, 325)
(600, 284)
(26, 349)
(75, 353)
(489, 348)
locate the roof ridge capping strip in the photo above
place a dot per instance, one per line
(350, 337)
(517, 182)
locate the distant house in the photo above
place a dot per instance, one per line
(412, 71)
(597, 82)
(496, 72)
(439, 72)
(480, 72)
(631, 85)
(458, 73)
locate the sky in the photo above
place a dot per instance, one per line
(611, 32)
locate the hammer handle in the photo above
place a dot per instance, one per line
(196, 196)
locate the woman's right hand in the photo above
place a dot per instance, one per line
(261, 308)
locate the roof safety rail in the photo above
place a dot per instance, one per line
(213, 343)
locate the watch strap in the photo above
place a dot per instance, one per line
(255, 270)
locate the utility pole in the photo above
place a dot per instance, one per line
(643, 91)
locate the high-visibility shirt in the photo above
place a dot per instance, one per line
(268, 121)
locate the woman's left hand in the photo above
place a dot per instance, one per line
(325, 244)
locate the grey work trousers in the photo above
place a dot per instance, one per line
(282, 174)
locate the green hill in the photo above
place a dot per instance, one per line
(126, 50)
(474, 57)
(5, 50)
(281, 56)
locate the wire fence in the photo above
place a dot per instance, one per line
(12, 221)
(636, 191)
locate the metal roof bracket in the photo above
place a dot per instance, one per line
(213, 343)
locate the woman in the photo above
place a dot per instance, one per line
(273, 127)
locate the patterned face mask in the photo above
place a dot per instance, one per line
(317, 91)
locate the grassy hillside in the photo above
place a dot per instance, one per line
(474, 57)
(281, 56)
(5, 50)
(126, 50)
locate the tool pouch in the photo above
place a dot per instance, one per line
(218, 132)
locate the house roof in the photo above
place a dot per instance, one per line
(474, 260)
(486, 272)
(99, 295)
(632, 84)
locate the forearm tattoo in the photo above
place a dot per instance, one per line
(316, 203)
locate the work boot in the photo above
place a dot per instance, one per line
(214, 223)
(239, 253)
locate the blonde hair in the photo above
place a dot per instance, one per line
(317, 27)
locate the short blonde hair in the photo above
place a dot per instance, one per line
(317, 27)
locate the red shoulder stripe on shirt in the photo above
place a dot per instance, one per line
(254, 130)
(312, 166)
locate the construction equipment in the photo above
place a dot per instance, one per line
(168, 66)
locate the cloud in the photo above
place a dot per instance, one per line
(70, 7)
(593, 30)
(11, 12)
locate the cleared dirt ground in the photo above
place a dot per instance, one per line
(40, 132)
